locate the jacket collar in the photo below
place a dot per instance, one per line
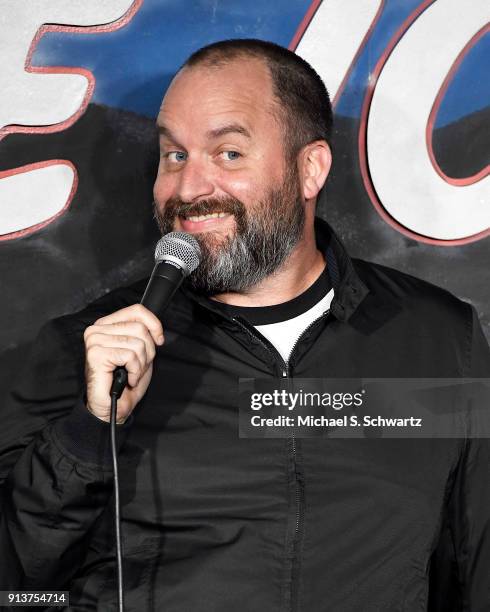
(349, 290)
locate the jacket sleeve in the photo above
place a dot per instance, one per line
(469, 525)
(461, 581)
(469, 510)
(55, 468)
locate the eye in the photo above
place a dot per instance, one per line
(230, 155)
(176, 156)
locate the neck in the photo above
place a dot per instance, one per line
(300, 271)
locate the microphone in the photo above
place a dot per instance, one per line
(177, 254)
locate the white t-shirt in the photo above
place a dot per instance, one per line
(283, 324)
(284, 334)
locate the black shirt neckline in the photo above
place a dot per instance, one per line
(266, 315)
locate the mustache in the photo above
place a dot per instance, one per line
(175, 207)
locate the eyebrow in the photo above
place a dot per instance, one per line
(231, 128)
(164, 131)
(228, 129)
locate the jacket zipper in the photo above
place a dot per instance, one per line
(299, 497)
(298, 489)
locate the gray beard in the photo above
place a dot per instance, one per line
(264, 238)
(248, 257)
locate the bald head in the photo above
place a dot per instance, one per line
(300, 100)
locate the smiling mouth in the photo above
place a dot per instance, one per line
(210, 222)
(198, 218)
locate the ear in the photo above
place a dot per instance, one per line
(315, 160)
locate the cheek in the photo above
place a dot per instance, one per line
(253, 181)
(162, 189)
(247, 189)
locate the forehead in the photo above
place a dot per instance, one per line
(209, 95)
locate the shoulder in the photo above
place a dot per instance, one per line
(411, 312)
(412, 294)
(58, 346)
(72, 325)
(51, 372)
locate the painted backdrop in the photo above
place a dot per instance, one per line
(81, 85)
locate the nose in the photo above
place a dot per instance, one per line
(195, 181)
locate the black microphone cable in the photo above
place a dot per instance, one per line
(176, 255)
(118, 384)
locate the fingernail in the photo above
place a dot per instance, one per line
(160, 340)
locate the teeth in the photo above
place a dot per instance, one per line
(197, 218)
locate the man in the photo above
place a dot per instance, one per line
(212, 522)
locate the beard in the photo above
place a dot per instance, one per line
(264, 237)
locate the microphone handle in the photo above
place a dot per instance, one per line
(165, 279)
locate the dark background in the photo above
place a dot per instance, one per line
(106, 237)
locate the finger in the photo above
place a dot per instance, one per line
(108, 358)
(137, 345)
(128, 359)
(136, 312)
(125, 328)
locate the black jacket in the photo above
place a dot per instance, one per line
(214, 523)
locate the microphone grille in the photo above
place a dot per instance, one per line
(179, 247)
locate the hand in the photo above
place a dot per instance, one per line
(124, 338)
